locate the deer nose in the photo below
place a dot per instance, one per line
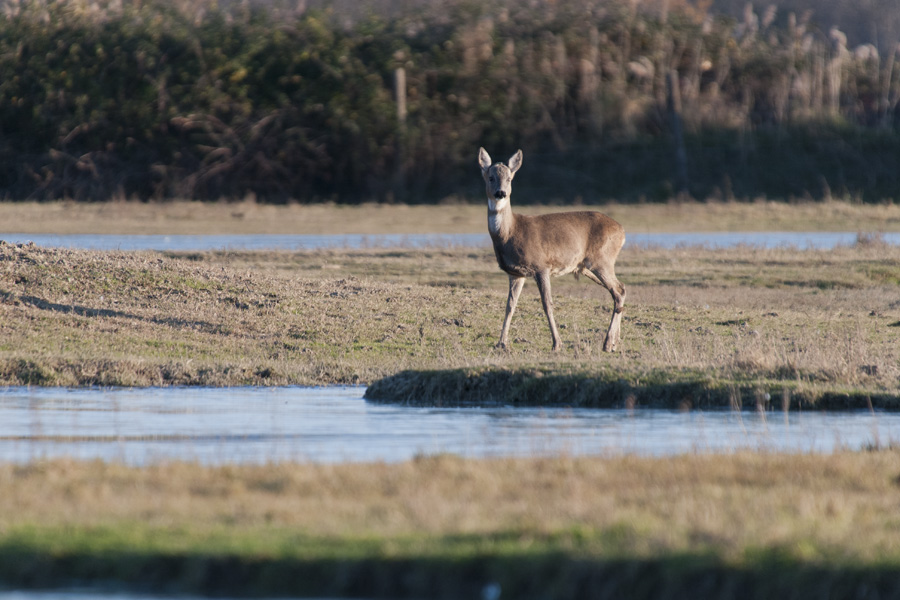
(500, 194)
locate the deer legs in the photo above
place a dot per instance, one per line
(515, 288)
(543, 283)
(607, 278)
(604, 277)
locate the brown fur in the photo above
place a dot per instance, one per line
(584, 243)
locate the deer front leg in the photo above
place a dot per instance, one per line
(515, 288)
(614, 334)
(607, 278)
(543, 282)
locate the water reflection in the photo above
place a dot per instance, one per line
(259, 425)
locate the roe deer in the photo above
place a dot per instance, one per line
(584, 243)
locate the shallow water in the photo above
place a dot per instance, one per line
(185, 243)
(335, 424)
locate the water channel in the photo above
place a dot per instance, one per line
(334, 424)
(196, 243)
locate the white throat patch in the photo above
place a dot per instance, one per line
(495, 217)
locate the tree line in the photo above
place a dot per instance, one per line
(285, 102)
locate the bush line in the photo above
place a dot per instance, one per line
(203, 100)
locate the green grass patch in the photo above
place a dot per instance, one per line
(521, 564)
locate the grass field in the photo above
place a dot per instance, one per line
(735, 526)
(702, 327)
(701, 323)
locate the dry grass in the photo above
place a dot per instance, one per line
(759, 514)
(843, 503)
(250, 217)
(819, 319)
(823, 321)
(77, 318)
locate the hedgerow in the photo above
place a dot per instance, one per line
(195, 99)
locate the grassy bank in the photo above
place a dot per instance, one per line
(734, 526)
(700, 324)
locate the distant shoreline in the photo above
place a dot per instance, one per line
(222, 218)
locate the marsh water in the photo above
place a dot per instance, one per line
(197, 243)
(334, 424)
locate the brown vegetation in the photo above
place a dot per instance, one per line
(815, 322)
(797, 526)
(835, 503)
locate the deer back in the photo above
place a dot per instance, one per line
(557, 242)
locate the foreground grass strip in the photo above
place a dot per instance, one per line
(795, 526)
(525, 574)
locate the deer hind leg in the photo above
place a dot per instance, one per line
(606, 277)
(515, 288)
(543, 282)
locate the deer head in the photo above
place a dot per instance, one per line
(498, 178)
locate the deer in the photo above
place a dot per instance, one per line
(549, 245)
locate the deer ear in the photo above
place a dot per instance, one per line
(515, 162)
(484, 159)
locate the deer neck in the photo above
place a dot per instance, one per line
(500, 218)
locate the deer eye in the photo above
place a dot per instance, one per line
(492, 178)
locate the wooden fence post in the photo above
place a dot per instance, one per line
(673, 105)
(400, 172)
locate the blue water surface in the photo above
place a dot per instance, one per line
(196, 243)
(335, 424)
